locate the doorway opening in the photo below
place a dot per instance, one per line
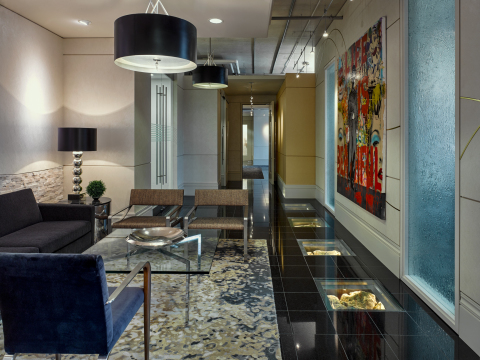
(255, 141)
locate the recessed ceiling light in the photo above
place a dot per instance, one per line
(216, 21)
(85, 22)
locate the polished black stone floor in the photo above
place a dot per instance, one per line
(307, 329)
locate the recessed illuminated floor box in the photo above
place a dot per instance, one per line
(307, 222)
(333, 247)
(356, 295)
(300, 207)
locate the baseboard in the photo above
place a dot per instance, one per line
(320, 195)
(378, 244)
(296, 191)
(260, 162)
(189, 188)
(469, 322)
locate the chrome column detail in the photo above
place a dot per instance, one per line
(77, 171)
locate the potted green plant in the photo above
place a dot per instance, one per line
(96, 189)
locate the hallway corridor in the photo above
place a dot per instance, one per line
(310, 330)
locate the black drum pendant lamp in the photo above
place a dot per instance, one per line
(155, 43)
(210, 76)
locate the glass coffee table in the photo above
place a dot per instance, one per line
(192, 255)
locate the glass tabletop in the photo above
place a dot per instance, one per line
(193, 255)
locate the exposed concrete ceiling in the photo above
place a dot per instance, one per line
(245, 18)
(246, 35)
(263, 48)
(264, 85)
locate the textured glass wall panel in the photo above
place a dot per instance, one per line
(422, 325)
(330, 151)
(431, 146)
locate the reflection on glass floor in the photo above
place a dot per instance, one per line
(329, 247)
(356, 295)
(294, 207)
(314, 222)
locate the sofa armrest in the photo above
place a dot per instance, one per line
(67, 212)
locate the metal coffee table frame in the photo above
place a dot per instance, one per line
(136, 249)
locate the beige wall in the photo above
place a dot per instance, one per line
(99, 94)
(381, 237)
(31, 95)
(198, 136)
(219, 137)
(468, 78)
(235, 121)
(143, 131)
(296, 131)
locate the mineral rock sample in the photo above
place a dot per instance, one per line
(360, 300)
(322, 252)
(336, 303)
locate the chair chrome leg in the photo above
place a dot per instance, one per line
(245, 243)
(147, 287)
(103, 357)
(9, 357)
(187, 300)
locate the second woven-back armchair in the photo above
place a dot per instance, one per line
(220, 198)
(151, 197)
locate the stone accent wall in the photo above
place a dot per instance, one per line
(47, 185)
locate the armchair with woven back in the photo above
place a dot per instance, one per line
(220, 198)
(151, 197)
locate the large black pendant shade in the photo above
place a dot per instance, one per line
(155, 43)
(210, 77)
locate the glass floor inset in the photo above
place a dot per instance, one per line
(356, 295)
(293, 207)
(307, 222)
(329, 247)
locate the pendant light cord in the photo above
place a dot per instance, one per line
(155, 7)
(210, 61)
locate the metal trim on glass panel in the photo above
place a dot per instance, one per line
(161, 135)
(331, 207)
(425, 295)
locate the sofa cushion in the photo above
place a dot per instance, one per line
(18, 250)
(17, 211)
(48, 236)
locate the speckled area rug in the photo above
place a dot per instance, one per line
(231, 312)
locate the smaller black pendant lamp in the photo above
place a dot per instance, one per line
(155, 43)
(210, 76)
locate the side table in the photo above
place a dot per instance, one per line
(102, 211)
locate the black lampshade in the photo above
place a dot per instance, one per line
(210, 77)
(155, 43)
(77, 139)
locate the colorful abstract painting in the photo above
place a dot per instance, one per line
(361, 160)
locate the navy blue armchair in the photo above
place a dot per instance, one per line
(60, 304)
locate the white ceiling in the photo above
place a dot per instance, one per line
(241, 18)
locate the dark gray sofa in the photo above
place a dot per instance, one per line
(28, 227)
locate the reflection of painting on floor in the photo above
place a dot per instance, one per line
(362, 120)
